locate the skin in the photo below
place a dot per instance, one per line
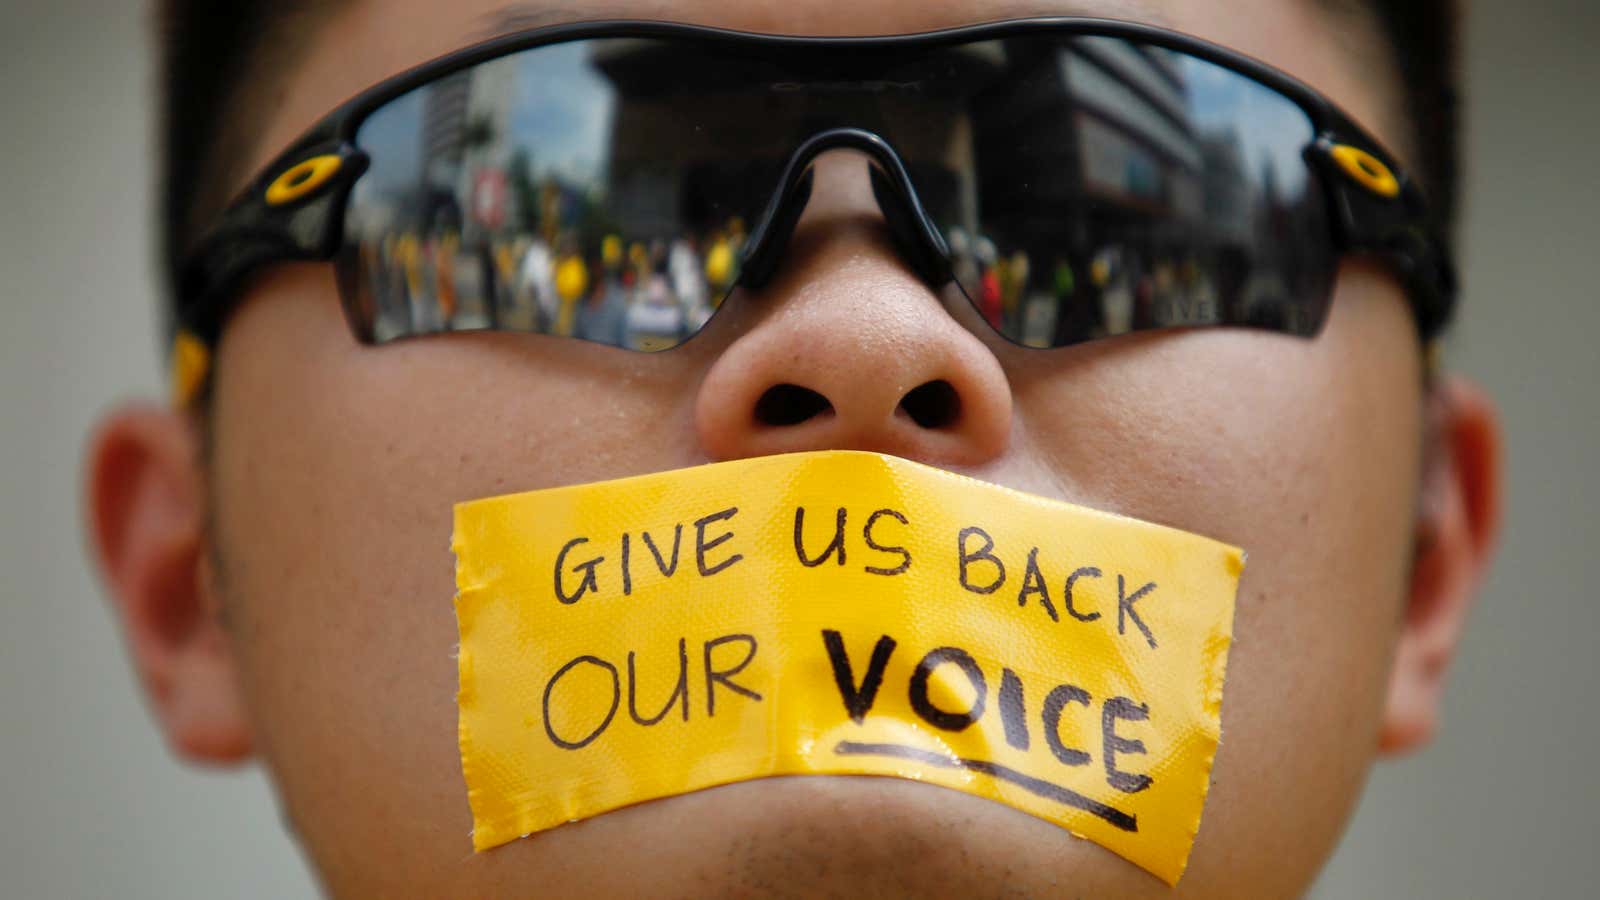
(286, 596)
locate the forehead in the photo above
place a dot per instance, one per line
(374, 39)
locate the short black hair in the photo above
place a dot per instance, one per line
(219, 57)
(217, 65)
(1424, 37)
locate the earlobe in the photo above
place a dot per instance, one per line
(146, 522)
(1458, 527)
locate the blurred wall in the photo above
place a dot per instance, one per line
(91, 805)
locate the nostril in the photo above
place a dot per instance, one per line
(790, 404)
(933, 405)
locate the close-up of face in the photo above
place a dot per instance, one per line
(280, 559)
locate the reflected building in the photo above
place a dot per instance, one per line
(1109, 117)
(467, 143)
(466, 146)
(489, 146)
(1228, 201)
(1111, 120)
(709, 136)
(444, 138)
(676, 170)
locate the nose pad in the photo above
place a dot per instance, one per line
(915, 239)
(913, 234)
(848, 347)
(771, 239)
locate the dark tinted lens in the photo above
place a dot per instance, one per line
(1123, 186)
(575, 189)
(603, 189)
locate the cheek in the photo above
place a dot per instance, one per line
(335, 470)
(1305, 454)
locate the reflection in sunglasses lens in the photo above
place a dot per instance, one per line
(604, 189)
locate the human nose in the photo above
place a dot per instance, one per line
(851, 350)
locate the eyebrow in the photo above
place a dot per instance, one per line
(515, 17)
(1144, 11)
(524, 16)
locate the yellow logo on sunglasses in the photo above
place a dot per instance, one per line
(1366, 170)
(303, 180)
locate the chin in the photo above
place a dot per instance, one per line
(816, 836)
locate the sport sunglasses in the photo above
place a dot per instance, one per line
(615, 181)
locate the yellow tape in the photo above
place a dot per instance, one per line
(840, 613)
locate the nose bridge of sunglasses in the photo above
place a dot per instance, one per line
(914, 235)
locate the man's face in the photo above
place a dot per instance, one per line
(335, 466)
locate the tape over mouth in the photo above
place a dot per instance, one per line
(842, 613)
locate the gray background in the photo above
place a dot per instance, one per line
(91, 806)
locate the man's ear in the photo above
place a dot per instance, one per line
(147, 527)
(1457, 529)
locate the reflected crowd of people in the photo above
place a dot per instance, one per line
(642, 295)
(1111, 290)
(652, 295)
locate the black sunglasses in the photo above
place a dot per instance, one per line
(614, 181)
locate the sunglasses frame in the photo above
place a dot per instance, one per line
(294, 209)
